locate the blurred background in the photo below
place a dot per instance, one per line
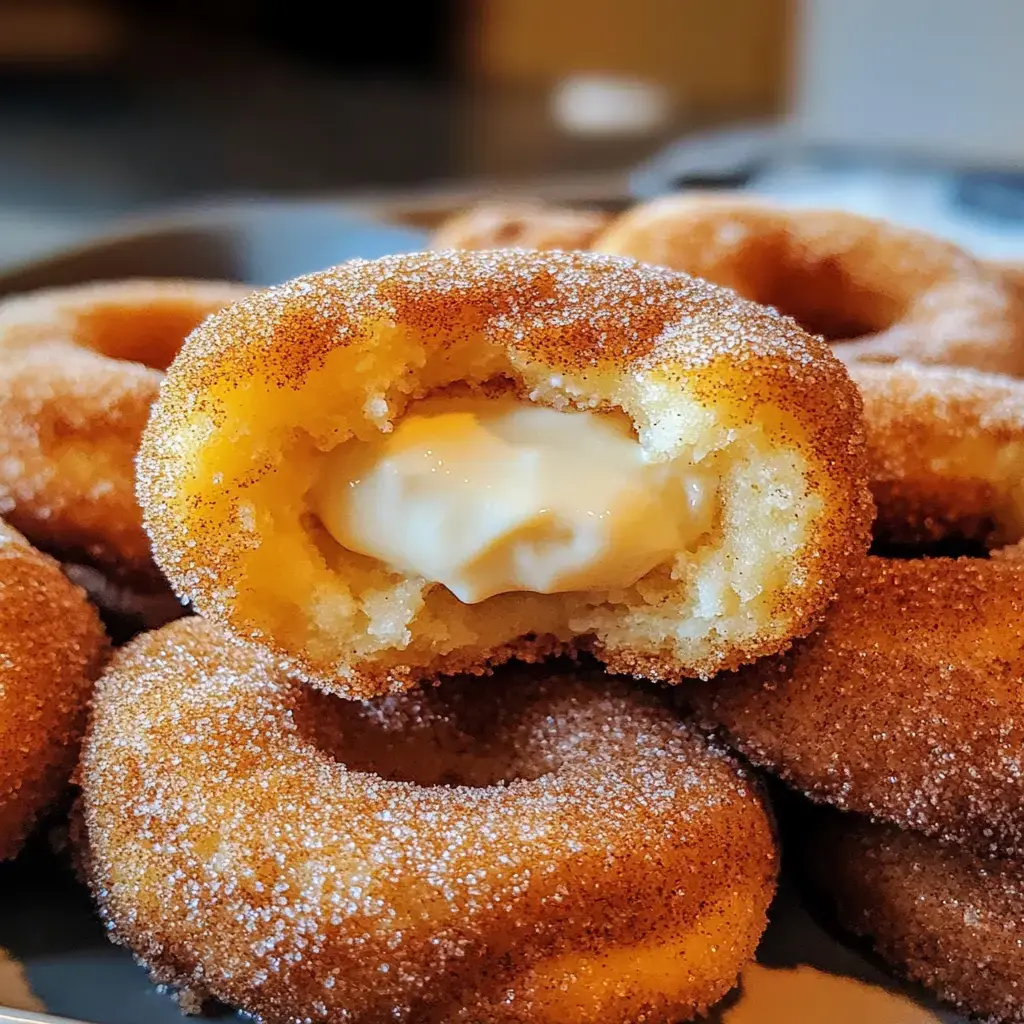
(117, 107)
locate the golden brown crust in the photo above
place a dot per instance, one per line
(900, 294)
(940, 915)
(52, 647)
(906, 705)
(79, 369)
(945, 453)
(135, 321)
(570, 329)
(520, 225)
(553, 849)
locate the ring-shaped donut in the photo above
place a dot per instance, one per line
(1012, 273)
(79, 369)
(757, 415)
(879, 292)
(941, 916)
(945, 454)
(553, 849)
(52, 648)
(519, 225)
(906, 705)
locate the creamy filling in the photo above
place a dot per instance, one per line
(492, 495)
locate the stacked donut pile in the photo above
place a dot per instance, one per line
(905, 710)
(506, 564)
(278, 808)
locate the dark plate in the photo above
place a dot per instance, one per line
(258, 243)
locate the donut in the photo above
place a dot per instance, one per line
(555, 848)
(519, 225)
(941, 916)
(907, 705)
(52, 648)
(877, 291)
(79, 369)
(945, 453)
(1012, 273)
(681, 485)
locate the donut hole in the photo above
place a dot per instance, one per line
(150, 334)
(819, 294)
(465, 732)
(510, 231)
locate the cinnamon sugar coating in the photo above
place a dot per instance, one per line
(264, 390)
(519, 224)
(79, 369)
(536, 849)
(878, 291)
(52, 647)
(907, 705)
(945, 453)
(942, 916)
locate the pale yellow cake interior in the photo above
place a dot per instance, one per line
(264, 462)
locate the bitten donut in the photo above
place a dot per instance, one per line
(880, 292)
(520, 225)
(79, 369)
(551, 849)
(945, 453)
(942, 916)
(52, 648)
(427, 464)
(907, 705)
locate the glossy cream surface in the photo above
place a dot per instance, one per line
(492, 495)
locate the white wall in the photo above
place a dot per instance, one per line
(932, 77)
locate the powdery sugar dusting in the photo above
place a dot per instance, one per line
(599, 326)
(81, 369)
(53, 647)
(619, 313)
(907, 705)
(945, 451)
(880, 291)
(549, 818)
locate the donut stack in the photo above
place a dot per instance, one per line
(280, 810)
(906, 709)
(418, 759)
(78, 373)
(904, 712)
(80, 369)
(883, 293)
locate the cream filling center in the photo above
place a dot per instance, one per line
(492, 495)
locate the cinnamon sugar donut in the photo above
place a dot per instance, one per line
(682, 479)
(945, 453)
(1012, 273)
(79, 369)
(551, 849)
(52, 648)
(942, 916)
(907, 705)
(520, 225)
(878, 291)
